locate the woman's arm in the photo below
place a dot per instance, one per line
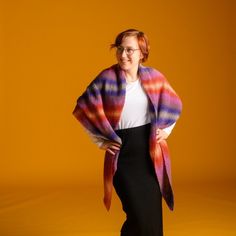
(164, 133)
(104, 144)
(169, 129)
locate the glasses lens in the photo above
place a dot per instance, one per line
(129, 51)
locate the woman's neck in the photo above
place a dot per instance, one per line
(132, 75)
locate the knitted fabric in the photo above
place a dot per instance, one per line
(99, 108)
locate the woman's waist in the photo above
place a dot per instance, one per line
(134, 140)
(140, 129)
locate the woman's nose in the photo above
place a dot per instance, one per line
(123, 54)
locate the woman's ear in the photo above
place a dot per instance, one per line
(141, 56)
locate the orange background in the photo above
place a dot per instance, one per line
(51, 50)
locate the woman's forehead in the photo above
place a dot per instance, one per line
(129, 41)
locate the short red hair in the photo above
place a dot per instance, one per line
(143, 41)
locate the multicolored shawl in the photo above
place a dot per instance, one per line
(99, 109)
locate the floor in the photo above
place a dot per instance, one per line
(79, 211)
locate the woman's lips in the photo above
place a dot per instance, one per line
(124, 62)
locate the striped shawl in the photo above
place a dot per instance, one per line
(99, 108)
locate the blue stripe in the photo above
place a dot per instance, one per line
(160, 122)
(115, 93)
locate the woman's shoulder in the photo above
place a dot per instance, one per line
(109, 70)
(108, 75)
(152, 72)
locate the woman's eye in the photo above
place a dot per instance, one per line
(129, 50)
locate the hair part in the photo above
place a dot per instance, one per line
(143, 41)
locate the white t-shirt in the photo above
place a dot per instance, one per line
(135, 110)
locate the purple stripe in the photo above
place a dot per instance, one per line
(171, 110)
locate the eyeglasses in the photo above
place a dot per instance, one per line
(129, 51)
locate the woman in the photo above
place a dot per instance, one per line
(129, 110)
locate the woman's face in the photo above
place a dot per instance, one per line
(128, 53)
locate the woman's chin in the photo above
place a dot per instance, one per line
(124, 66)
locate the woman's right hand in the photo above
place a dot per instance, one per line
(110, 146)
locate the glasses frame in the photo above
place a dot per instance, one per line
(120, 50)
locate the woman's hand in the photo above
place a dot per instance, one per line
(161, 135)
(111, 147)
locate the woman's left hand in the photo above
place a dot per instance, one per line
(161, 135)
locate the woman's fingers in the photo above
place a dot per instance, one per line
(110, 151)
(160, 139)
(161, 135)
(115, 144)
(111, 147)
(114, 147)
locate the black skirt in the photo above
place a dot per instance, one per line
(136, 184)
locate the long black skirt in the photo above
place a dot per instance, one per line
(136, 184)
